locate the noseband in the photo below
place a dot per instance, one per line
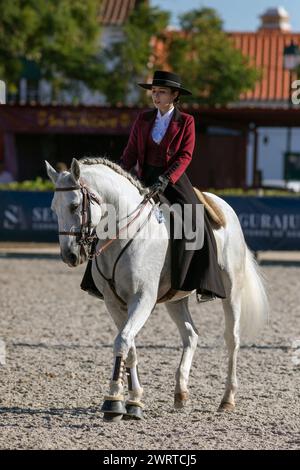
(85, 236)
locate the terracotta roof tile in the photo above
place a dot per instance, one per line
(265, 50)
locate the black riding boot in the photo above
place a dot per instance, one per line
(87, 283)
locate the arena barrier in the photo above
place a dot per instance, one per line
(26, 216)
(269, 223)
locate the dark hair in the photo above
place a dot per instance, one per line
(177, 100)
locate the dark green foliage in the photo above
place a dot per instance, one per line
(130, 57)
(60, 38)
(215, 71)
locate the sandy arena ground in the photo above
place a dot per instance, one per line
(58, 345)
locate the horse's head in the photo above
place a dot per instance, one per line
(78, 211)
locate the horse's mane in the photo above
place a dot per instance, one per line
(114, 166)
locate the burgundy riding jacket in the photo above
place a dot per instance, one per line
(176, 147)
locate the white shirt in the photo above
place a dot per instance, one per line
(161, 125)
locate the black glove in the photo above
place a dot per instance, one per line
(160, 185)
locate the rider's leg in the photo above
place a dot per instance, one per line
(87, 283)
(194, 269)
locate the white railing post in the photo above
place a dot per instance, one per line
(2, 92)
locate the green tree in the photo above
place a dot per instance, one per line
(129, 60)
(60, 38)
(210, 66)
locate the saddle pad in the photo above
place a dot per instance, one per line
(213, 210)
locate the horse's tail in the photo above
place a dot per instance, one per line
(255, 304)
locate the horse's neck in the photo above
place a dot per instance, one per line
(113, 188)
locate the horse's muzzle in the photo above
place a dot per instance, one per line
(72, 259)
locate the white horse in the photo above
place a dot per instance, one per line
(142, 276)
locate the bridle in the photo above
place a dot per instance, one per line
(85, 235)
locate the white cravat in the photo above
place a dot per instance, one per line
(161, 125)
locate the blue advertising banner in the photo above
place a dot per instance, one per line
(269, 223)
(27, 216)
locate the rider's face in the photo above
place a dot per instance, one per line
(163, 98)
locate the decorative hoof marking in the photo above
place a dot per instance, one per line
(113, 407)
(133, 412)
(226, 406)
(180, 399)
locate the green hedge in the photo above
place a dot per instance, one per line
(252, 192)
(29, 185)
(46, 185)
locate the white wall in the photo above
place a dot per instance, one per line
(271, 154)
(81, 93)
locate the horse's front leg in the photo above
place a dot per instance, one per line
(134, 403)
(139, 309)
(125, 356)
(114, 404)
(114, 401)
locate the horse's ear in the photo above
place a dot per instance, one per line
(75, 169)
(51, 172)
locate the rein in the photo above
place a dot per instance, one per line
(87, 237)
(139, 209)
(111, 281)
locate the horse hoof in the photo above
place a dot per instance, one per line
(133, 412)
(113, 407)
(226, 406)
(112, 417)
(180, 400)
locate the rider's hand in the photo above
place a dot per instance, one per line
(160, 185)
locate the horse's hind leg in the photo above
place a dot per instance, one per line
(180, 314)
(232, 310)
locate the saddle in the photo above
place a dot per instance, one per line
(213, 210)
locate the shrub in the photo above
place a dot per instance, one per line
(29, 185)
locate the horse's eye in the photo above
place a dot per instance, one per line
(74, 207)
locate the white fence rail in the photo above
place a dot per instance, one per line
(2, 92)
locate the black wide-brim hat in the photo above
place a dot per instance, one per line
(168, 79)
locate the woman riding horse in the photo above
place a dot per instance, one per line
(160, 148)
